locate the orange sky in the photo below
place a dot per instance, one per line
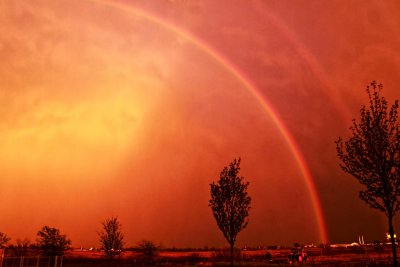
(105, 112)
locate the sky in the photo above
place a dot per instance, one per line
(132, 108)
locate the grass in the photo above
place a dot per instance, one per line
(359, 256)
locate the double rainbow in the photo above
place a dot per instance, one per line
(266, 106)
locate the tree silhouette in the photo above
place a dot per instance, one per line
(111, 237)
(149, 251)
(372, 156)
(3, 240)
(22, 247)
(230, 203)
(52, 242)
(148, 248)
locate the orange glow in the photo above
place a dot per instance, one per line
(264, 103)
(131, 109)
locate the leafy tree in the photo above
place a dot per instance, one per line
(52, 242)
(230, 203)
(111, 237)
(3, 240)
(372, 155)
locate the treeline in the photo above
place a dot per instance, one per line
(371, 154)
(230, 204)
(49, 242)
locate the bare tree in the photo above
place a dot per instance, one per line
(3, 240)
(52, 242)
(372, 155)
(230, 203)
(111, 237)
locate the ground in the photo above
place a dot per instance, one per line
(328, 256)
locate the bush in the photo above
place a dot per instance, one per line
(148, 248)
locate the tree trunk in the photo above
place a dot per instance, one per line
(232, 244)
(391, 233)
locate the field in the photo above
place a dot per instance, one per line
(341, 256)
(351, 256)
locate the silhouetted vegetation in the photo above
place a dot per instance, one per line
(52, 242)
(372, 155)
(3, 240)
(230, 203)
(22, 247)
(148, 248)
(328, 256)
(111, 237)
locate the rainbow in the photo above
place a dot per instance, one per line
(266, 106)
(310, 59)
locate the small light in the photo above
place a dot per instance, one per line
(388, 236)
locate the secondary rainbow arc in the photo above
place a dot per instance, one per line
(297, 155)
(310, 59)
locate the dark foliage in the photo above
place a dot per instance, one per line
(3, 240)
(372, 155)
(22, 247)
(230, 203)
(148, 248)
(111, 237)
(52, 242)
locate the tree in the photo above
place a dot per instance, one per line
(148, 248)
(149, 251)
(111, 237)
(372, 155)
(52, 242)
(230, 203)
(21, 247)
(3, 240)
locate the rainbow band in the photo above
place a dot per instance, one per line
(311, 61)
(297, 155)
